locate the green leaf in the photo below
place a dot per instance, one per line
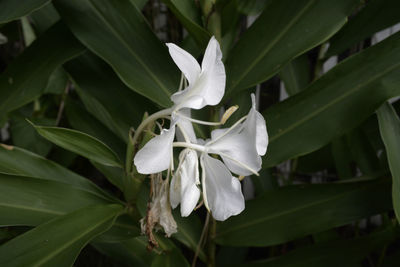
(296, 74)
(189, 232)
(189, 15)
(296, 211)
(24, 136)
(11, 10)
(105, 96)
(81, 120)
(14, 160)
(334, 104)
(389, 125)
(279, 35)
(375, 16)
(332, 253)
(81, 144)
(59, 241)
(27, 76)
(132, 252)
(32, 201)
(117, 32)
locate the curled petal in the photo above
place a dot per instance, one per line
(213, 71)
(185, 62)
(238, 151)
(185, 126)
(184, 188)
(222, 192)
(209, 87)
(156, 155)
(261, 129)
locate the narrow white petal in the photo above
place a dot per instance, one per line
(262, 134)
(239, 153)
(213, 75)
(185, 62)
(261, 129)
(189, 180)
(223, 191)
(175, 189)
(186, 126)
(155, 156)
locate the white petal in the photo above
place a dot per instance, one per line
(262, 135)
(223, 193)
(261, 129)
(185, 62)
(239, 153)
(155, 156)
(183, 187)
(175, 189)
(186, 126)
(209, 87)
(189, 173)
(213, 74)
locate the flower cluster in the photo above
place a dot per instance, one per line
(239, 147)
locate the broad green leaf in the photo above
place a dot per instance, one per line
(59, 241)
(132, 252)
(296, 74)
(81, 120)
(334, 104)
(124, 228)
(113, 174)
(251, 7)
(27, 76)
(375, 16)
(189, 232)
(32, 201)
(14, 160)
(105, 96)
(57, 82)
(279, 35)
(332, 253)
(25, 136)
(296, 211)
(44, 18)
(389, 125)
(139, 3)
(189, 15)
(117, 32)
(81, 144)
(11, 10)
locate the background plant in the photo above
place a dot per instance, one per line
(77, 75)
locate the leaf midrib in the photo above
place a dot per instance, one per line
(276, 215)
(271, 44)
(329, 104)
(115, 31)
(73, 240)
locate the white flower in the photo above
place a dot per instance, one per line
(206, 84)
(206, 87)
(240, 147)
(184, 183)
(222, 192)
(156, 155)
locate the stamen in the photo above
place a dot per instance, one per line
(239, 163)
(227, 131)
(185, 136)
(228, 113)
(190, 145)
(199, 121)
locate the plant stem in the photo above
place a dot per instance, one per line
(211, 244)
